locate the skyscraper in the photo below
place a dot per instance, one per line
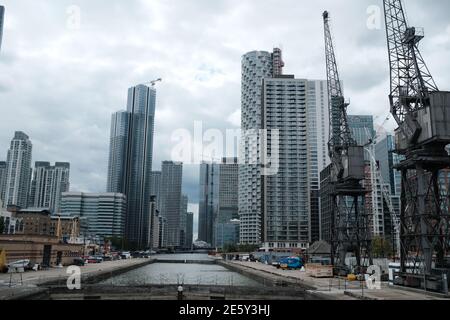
(19, 170)
(286, 194)
(189, 229)
(228, 191)
(326, 204)
(117, 167)
(130, 160)
(48, 183)
(362, 129)
(170, 192)
(2, 19)
(387, 159)
(3, 171)
(209, 201)
(156, 187)
(183, 220)
(256, 66)
(318, 135)
(155, 224)
(281, 210)
(218, 197)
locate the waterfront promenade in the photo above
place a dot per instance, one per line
(334, 288)
(288, 283)
(28, 283)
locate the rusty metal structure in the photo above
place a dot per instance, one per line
(349, 221)
(422, 113)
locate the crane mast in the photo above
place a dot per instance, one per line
(422, 113)
(349, 223)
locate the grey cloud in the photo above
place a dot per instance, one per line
(61, 85)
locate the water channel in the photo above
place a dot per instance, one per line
(181, 273)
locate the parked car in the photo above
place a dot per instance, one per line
(125, 255)
(115, 256)
(79, 262)
(245, 257)
(147, 254)
(107, 257)
(95, 259)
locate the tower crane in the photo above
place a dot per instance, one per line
(153, 82)
(422, 113)
(349, 223)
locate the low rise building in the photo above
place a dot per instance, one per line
(39, 249)
(40, 222)
(9, 223)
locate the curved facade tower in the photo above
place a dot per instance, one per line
(130, 160)
(256, 66)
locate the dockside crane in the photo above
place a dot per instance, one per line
(349, 221)
(422, 113)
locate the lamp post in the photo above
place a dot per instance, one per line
(180, 293)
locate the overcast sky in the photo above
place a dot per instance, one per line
(60, 82)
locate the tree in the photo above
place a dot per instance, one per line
(118, 243)
(381, 248)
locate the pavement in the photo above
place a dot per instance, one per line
(13, 285)
(339, 289)
(20, 286)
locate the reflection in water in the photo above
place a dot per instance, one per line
(179, 273)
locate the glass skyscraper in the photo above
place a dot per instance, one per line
(218, 203)
(363, 131)
(18, 171)
(209, 201)
(170, 193)
(130, 160)
(2, 18)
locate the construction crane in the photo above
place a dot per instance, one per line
(153, 83)
(349, 224)
(422, 113)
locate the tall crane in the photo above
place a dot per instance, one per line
(349, 223)
(422, 113)
(153, 83)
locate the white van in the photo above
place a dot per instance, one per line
(125, 255)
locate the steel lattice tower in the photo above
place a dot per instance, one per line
(423, 115)
(349, 221)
